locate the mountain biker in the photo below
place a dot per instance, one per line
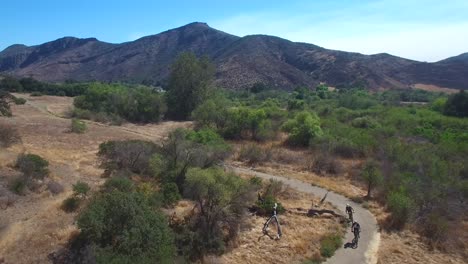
(349, 211)
(356, 229)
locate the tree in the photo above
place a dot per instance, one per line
(189, 84)
(131, 155)
(303, 128)
(32, 166)
(125, 229)
(222, 200)
(212, 113)
(457, 105)
(371, 176)
(4, 104)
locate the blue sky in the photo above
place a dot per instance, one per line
(422, 30)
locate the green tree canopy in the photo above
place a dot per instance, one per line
(189, 84)
(126, 229)
(304, 127)
(457, 105)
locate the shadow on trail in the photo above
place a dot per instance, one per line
(353, 244)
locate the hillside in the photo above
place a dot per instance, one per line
(240, 62)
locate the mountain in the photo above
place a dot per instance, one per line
(240, 62)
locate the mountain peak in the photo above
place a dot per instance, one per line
(241, 61)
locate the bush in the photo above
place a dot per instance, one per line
(32, 166)
(119, 183)
(55, 187)
(170, 193)
(254, 154)
(18, 186)
(435, 227)
(303, 128)
(71, 204)
(131, 155)
(8, 135)
(222, 199)
(400, 205)
(326, 164)
(81, 189)
(265, 206)
(114, 102)
(372, 176)
(329, 244)
(269, 197)
(122, 225)
(36, 94)
(78, 126)
(19, 101)
(365, 122)
(256, 181)
(457, 105)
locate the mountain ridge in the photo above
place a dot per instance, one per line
(241, 61)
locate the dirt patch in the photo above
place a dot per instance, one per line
(434, 88)
(301, 234)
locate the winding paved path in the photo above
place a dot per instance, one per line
(366, 252)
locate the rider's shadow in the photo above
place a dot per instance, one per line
(353, 244)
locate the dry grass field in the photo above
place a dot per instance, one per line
(34, 225)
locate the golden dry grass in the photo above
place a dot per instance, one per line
(301, 234)
(35, 225)
(407, 247)
(434, 88)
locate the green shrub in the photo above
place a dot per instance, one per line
(119, 183)
(265, 207)
(18, 186)
(371, 176)
(36, 94)
(329, 244)
(19, 101)
(122, 225)
(457, 105)
(256, 181)
(439, 104)
(170, 193)
(303, 128)
(71, 204)
(32, 166)
(254, 154)
(400, 205)
(365, 122)
(224, 199)
(78, 126)
(81, 189)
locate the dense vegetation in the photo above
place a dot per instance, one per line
(414, 145)
(416, 155)
(31, 85)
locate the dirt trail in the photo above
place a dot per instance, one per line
(366, 252)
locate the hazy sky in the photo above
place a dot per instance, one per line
(426, 30)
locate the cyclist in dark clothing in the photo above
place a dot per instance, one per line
(350, 211)
(356, 229)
